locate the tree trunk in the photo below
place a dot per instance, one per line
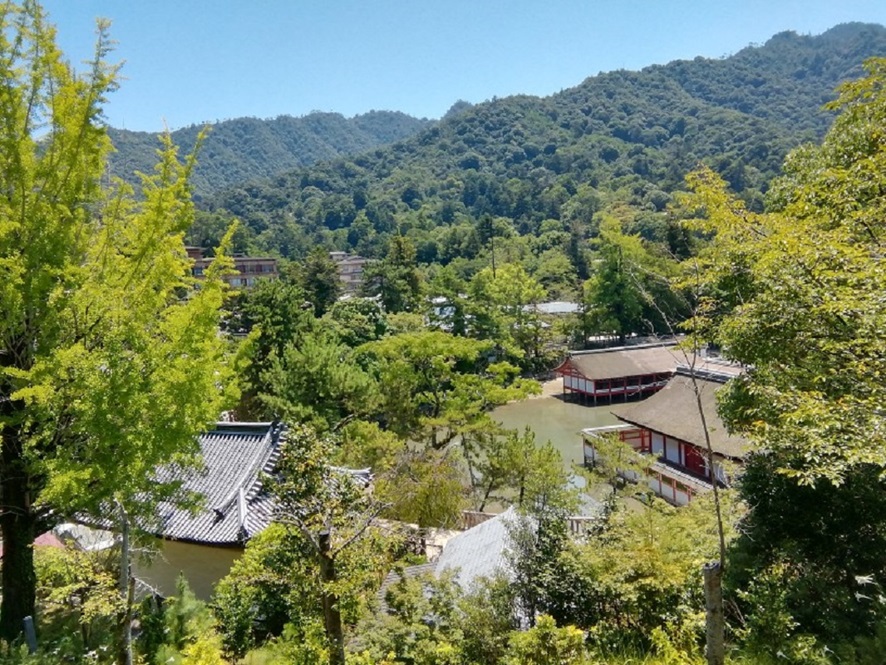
(486, 495)
(18, 528)
(331, 614)
(714, 626)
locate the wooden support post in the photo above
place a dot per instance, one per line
(715, 646)
(30, 634)
(126, 589)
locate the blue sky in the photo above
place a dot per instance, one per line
(192, 61)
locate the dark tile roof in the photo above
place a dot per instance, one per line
(673, 411)
(235, 508)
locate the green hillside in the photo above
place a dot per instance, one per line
(620, 141)
(248, 148)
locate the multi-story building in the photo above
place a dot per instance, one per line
(248, 269)
(350, 270)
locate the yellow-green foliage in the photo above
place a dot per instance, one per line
(546, 644)
(190, 635)
(112, 359)
(77, 598)
(205, 650)
(645, 571)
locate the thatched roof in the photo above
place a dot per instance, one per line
(624, 361)
(673, 411)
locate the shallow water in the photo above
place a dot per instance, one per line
(555, 420)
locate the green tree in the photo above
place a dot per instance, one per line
(395, 279)
(502, 309)
(827, 544)
(513, 463)
(189, 630)
(450, 311)
(273, 583)
(797, 294)
(420, 625)
(275, 315)
(437, 386)
(424, 487)
(336, 516)
(642, 573)
(317, 382)
(356, 321)
(614, 299)
(104, 365)
(431, 621)
(319, 279)
(546, 644)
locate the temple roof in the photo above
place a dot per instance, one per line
(234, 457)
(624, 361)
(673, 411)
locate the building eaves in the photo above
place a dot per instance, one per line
(673, 411)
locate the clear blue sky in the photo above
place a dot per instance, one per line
(190, 61)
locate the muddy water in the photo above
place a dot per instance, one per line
(556, 420)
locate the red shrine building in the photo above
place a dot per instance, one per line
(669, 428)
(620, 373)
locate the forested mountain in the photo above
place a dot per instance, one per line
(619, 142)
(249, 148)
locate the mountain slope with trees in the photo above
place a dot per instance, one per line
(620, 142)
(250, 148)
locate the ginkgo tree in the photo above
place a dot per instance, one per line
(110, 361)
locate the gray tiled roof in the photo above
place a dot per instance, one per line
(479, 551)
(234, 457)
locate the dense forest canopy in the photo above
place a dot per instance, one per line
(244, 149)
(619, 141)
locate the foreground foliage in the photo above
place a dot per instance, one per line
(797, 295)
(109, 357)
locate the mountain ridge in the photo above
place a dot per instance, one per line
(619, 141)
(241, 149)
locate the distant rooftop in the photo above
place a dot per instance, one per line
(621, 361)
(555, 307)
